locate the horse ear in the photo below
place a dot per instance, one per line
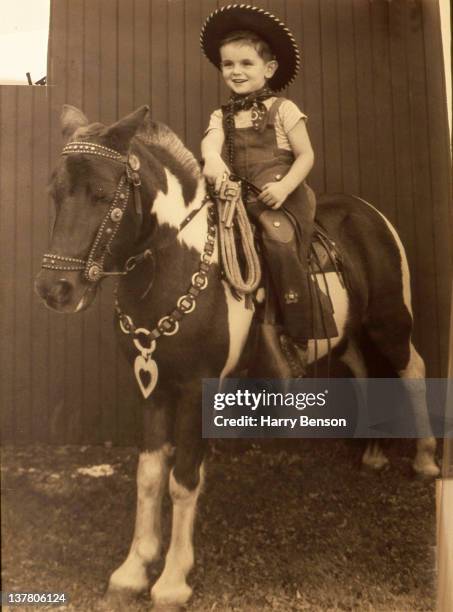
(120, 134)
(71, 119)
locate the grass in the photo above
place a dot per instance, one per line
(284, 526)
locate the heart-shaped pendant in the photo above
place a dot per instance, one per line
(146, 373)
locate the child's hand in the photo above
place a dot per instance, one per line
(216, 171)
(273, 194)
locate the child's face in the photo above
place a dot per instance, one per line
(243, 69)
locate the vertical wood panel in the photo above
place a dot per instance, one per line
(92, 60)
(109, 114)
(293, 16)
(160, 59)
(426, 314)
(57, 323)
(383, 108)
(125, 408)
(209, 75)
(126, 70)
(92, 365)
(365, 102)
(176, 80)
(74, 404)
(23, 274)
(109, 60)
(40, 240)
(441, 174)
(192, 75)
(313, 88)
(142, 47)
(330, 106)
(347, 98)
(405, 213)
(8, 145)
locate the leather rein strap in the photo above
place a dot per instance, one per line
(93, 267)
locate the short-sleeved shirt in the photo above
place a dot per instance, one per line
(288, 115)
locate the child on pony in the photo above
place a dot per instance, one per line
(263, 139)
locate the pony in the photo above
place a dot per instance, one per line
(131, 201)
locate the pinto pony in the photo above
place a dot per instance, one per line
(131, 201)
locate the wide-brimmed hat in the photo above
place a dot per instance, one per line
(268, 27)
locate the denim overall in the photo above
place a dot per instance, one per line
(285, 233)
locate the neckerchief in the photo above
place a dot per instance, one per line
(237, 103)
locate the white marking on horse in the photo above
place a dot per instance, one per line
(239, 321)
(171, 586)
(341, 302)
(170, 208)
(152, 474)
(405, 274)
(424, 462)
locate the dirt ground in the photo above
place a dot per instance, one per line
(286, 527)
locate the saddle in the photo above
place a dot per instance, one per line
(272, 353)
(241, 266)
(324, 254)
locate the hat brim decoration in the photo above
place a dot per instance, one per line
(268, 27)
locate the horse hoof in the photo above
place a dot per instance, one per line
(374, 468)
(169, 599)
(375, 464)
(426, 471)
(131, 583)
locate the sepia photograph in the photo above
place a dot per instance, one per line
(226, 235)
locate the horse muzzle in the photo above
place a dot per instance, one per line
(62, 294)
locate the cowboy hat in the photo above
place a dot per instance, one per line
(268, 27)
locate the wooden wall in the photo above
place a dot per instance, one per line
(372, 84)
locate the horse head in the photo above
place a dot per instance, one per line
(97, 189)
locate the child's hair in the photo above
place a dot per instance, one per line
(250, 38)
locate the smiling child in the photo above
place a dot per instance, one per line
(263, 139)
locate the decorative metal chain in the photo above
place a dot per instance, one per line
(145, 367)
(168, 325)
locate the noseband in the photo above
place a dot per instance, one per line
(93, 267)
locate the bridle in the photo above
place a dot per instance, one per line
(93, 266)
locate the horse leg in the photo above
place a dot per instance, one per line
(186, 481)
(171, 587)
(392, 336)
(424, 463)
(373, 458)
(152, 477)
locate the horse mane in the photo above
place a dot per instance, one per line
(157, 133)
